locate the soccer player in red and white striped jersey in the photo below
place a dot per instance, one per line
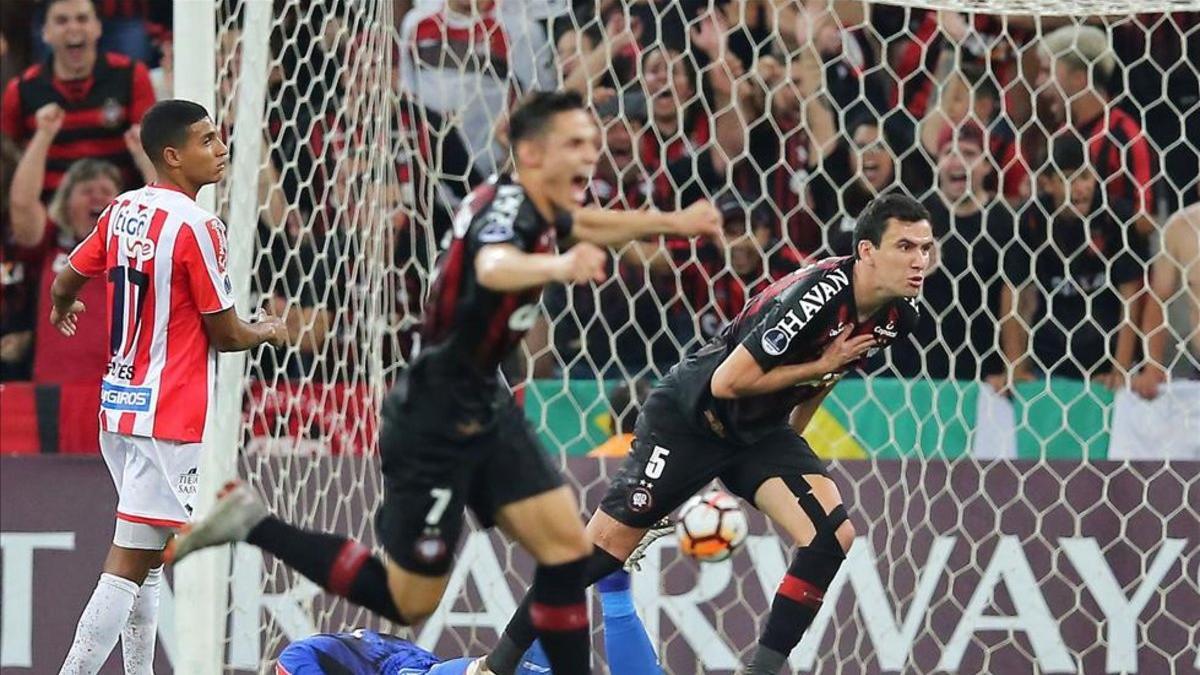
(162, 258)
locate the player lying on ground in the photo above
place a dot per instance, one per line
(452, 435)
(163, 259)
(627, 647)
(735, 409)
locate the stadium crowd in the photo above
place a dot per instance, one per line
(1051, 155)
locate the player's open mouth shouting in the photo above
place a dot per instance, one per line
(579, 184)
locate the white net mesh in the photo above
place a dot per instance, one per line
(967, 468)
(1084, 8)
(329, 205)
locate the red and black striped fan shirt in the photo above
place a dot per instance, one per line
(99, 110)
(1122, 157)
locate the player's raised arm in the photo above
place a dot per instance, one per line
(742, 373)
(505, 268)
(27, 213)
(605, 227)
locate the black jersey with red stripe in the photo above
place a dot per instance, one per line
(791, 322)
(468, 330)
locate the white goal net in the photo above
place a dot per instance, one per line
(1022, 473)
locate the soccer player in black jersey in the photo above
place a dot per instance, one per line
(452, 436)
(735, 409)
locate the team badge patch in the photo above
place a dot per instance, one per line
(775, 341)
(112, 113)
(496, 232)
(430, 548)
(640, 500)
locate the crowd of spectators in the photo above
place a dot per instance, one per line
(69, 119)
(1047, 151)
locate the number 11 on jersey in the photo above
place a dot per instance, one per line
(128, 302)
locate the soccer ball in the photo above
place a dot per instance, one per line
(711, 526)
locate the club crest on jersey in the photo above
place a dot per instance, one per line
(495, 232)
(430, 548)
(112, 113)
(640, 500)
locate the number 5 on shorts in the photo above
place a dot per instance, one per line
(441, 499)
(657, 462)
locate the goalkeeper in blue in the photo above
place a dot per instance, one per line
(364, 652)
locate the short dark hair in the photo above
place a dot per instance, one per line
(862, 118)
(166, 124)
(533, 114)
(51, 3)
(1066, 154)
(873, 220)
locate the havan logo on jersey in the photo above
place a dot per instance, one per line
(776, 339)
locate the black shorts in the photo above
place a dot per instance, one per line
(673, 458)
(436, 462)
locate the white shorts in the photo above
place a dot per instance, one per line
(156, 486)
